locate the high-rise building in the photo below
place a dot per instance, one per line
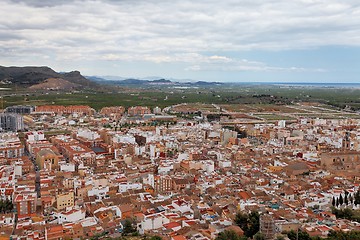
(11, 122)
(25, 203)
(20, 109)
(10, 146)
(267, 226)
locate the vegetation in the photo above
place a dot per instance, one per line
(229, 235)
(299, 235)
(129, 229)
(6, 206)
(249, 223)
(259, 236)
(155, 238)
(347, 213)
(335, 235)
(357, 197)
(161, 96)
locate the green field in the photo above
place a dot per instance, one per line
(235, 98)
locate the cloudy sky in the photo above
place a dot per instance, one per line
(227, 40)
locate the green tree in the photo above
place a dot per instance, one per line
(357, 197)
(346, 213)
(249, 223)
(299, 235)
(259, 236)
(346, 201)
(351, 199)
(333, 201)
(341, 200)
(128, 227)
(335, 235)
(156, 238)
(228, 235)
(6, 206)
(337, 202)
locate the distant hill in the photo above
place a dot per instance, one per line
(142, 82)
(29, 76)
(204, 83)
(55, 84)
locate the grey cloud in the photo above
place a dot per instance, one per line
(160, 31)
(42, 3)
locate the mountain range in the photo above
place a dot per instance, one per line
(45, 78)
(32, 76)
(112, 80)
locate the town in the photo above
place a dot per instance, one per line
(188, 171)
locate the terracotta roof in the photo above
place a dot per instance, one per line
(179, 237)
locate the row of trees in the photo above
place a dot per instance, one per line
(347, 199)
(347, 213)
(250, 224)
(294, 235)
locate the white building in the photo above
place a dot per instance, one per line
(123, 187)
(152, 222)
(71, 216)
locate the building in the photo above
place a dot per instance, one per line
(11, 122)
(64, 200)
(267, 226)
(347, 160)
(157, 110)
(47, 159)
(25, 203)
(116, 111)
(138, 111)
(10, 146)
(163, 184)
(54, 232)
(59, 109)
(20, 109)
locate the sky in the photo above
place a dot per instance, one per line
(210, 40)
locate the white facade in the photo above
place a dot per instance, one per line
(123, 187)
(67, 167)
(71, 216)
(152, 222)
(149, 179)
(99, 192)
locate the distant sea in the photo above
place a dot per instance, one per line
(303, 84)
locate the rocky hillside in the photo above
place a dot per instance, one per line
(55, 84)
(29, 76)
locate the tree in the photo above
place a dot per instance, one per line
(357, 197)
(337, 202)
(346, 213)
(6, 206)
(128, 227)
(352, 235)
(299, 235)
(228, 235)
(155, 238)
(341, 200)
(259, 236)
(249, 223)
(351, 199)
(346, 201)
(333, 201)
